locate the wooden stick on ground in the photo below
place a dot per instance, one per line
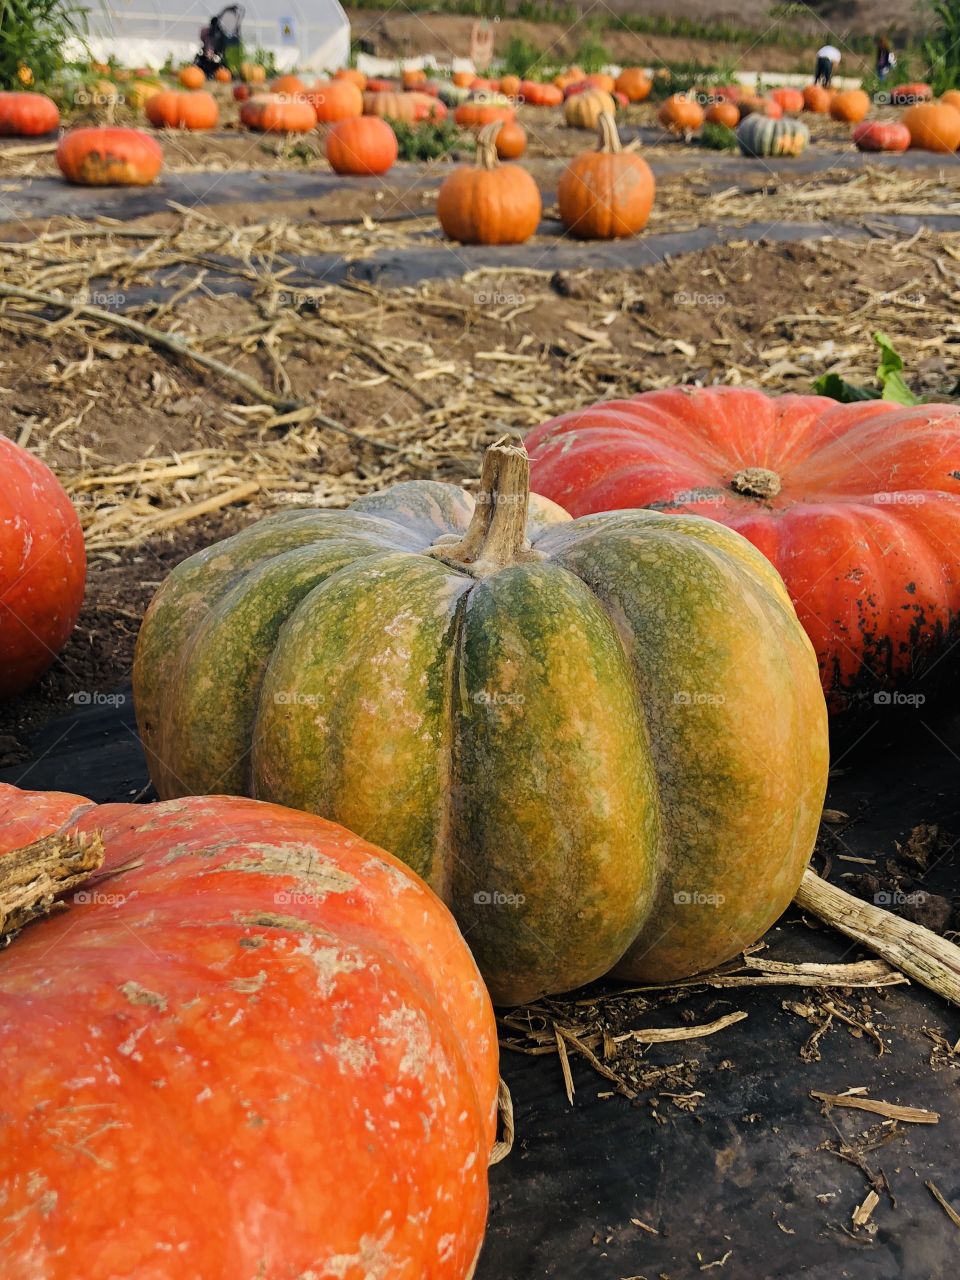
(909, 947)
(32, 878)
(891, 1110)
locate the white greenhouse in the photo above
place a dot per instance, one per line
(312, 34)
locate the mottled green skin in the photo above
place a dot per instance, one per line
(634, 714)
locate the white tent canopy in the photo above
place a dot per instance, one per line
(313, 34)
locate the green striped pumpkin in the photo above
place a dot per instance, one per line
(758, 135)
(601, 741)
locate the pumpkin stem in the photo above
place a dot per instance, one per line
(497, 533)
(487, 156)
(609, 135)
(756, 482)
(32, 878)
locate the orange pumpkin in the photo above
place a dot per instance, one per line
(253, 73)
(109, 157)
(725, 113)
(288, 85)
(607, 193)
(951, 98)
(354, 75)
(509, 86)
(412, 77)
(583, 110)
(600, 80)
(42, 569)
(751, 105)
(680, 114)
(571, 76)
(881, 135)
(933, 126)
(489, 203)
(850, 106)
(172, 110)
(222, 75)
(816, 99)
(335, 100)
(27, 115)
(634, 84)
(511, 141)
(278, 113)
(790, 100)
(192, 77)
(365, 145)
(241, 92)
(463, 79)
(477, 112)
(535, 94)
(200, 1050)
(410, 108)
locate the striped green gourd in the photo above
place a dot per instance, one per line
(758, 135)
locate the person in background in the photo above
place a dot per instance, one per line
(886, 60)
(827, 59)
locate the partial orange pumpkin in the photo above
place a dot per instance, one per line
(933, 126)
(109, 157)
(170, 109)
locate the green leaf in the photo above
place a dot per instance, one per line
(890, 373)
(837, 388)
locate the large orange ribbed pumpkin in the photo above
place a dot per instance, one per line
(857, 506)
(933, 126)
(254, 1013)
(196, 110)
(105, 157)
(42, 568)
(278, 113)
(816, 99)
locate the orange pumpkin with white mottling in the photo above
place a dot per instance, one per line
(256, 1012)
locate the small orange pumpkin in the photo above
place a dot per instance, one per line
(725, 113)
(511, 141)
(222, 75)
(253, 73)
(753, 105)
(850, 106)
(933, 126)
(680, 114)
(951, 98)
(634, 84)
(412, 77)
(483, 110)
(816, 99)
(354, 75)
(489, 203)
(881, 135)
(463, 79)
(170, 109)
(509, 85)
(600, 80)
(410, 108)
(109, 157)
(334, 100)
(27, 115)
(192, 77)
(288, 85)
(607, 193)
(364, 145)
(790, 100)
(535, 94)
(278, 113)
